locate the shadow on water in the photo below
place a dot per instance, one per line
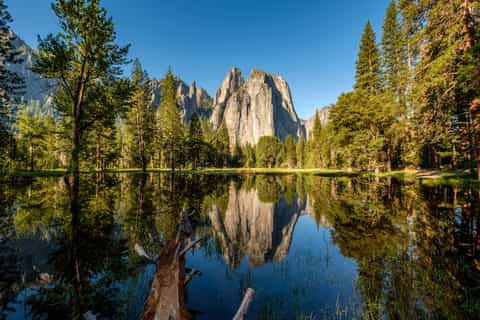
(117, 246)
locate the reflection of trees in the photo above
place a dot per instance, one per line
(10, 273)
(413, 254)
(87, 260)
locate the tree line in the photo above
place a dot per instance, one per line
(414, 102)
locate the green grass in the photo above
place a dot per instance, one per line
(436, 178)
(450, 179)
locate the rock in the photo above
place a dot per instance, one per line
(232, 83)
(36, 90)
(322, 114)
(260, 106)
(191, 99)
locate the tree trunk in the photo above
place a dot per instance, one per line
(475, 110)
(31, 157)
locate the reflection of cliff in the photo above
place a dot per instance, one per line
(249, 227)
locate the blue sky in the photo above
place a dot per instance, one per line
(311, 43)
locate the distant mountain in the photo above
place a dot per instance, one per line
(260, 106)
(36, 89)
(191, 99)
(323, 115)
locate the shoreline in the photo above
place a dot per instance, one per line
(424, 175)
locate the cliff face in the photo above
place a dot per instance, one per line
(260, 106)
(323, 115)
(191, 99)
(36, 89)
(258, 230)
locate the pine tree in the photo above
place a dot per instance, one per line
(290, 151)
(300, 151)
(315, 144)
(269, 152)
(11, 83)
(140, 120)
(170, 123)
(393, 52)
(442, 113)
(81, 57)
(195, 141)
(223, 144)
(368, 62)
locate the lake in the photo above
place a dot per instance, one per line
(134, 246)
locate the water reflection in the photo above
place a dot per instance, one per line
(113, 246)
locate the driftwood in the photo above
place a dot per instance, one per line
(168, 294)
(243, 309)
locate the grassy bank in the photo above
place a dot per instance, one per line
(425, 176)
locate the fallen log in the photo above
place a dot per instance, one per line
(243, 309)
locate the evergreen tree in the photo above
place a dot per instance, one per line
(315, 144)
(140, 120)
(223, 144)
(195, 141)
(269, 152)
(393, 52)
(442, 114)
(248, 156)
(81, 58)
(290, 151)
(34, 133)
(368, 62)
(300, 151)
(170, 123)
(11, 83)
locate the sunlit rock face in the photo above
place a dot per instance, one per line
(260, 106)
(36, 89)
(323, 115)
(190, 99)
(258, 230)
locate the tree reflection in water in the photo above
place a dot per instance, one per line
(70, 246)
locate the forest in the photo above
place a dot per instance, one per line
(415, 102)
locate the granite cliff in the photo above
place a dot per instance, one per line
(260, 106)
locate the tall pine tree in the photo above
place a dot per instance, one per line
(393, 53)
(81, 57)
(368, 62)
(140, 120)
(290, 151)
(170, 123)
(11, 83)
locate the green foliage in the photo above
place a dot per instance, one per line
(290, 151)
(222, 145)
(195, 141)
(300, 151)
(11, 85)
(169, 122)
(140, 121)
(394, 53)
(269, 152)
(81, 58)
(368, 62)
(36, 141)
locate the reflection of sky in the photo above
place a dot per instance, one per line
(309, 280)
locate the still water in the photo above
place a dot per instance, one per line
(124, 247)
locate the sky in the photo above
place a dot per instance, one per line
(313, 44)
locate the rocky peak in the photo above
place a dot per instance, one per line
(232, 82)
(323, 115)
(261, 106)
(191, 99)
